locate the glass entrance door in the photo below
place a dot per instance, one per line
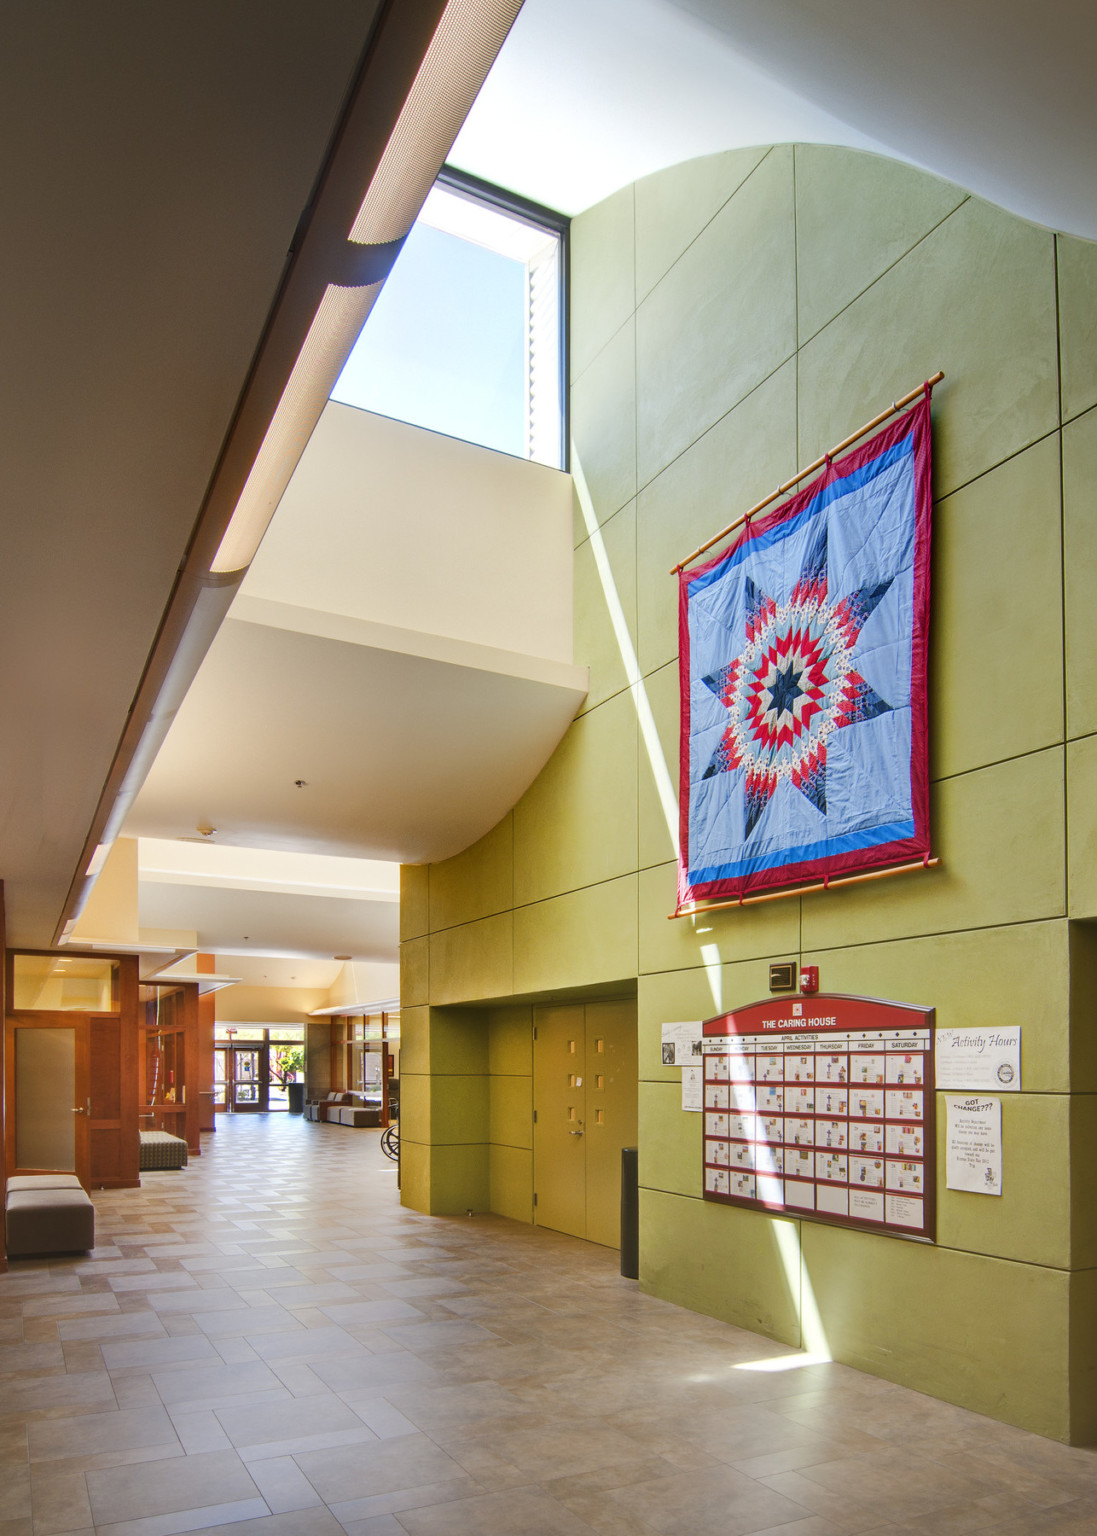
(247, 1080)
(239, 1079)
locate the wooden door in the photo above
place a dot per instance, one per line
(584, 1098)
(48, 1096)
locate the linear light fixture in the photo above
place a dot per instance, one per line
(421, 73)
(464, 46)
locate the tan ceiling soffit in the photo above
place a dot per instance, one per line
(352, 1010)
(420, 73)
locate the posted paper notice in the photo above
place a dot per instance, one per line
(682, 1044)
(979, 1060)
(973, 1145)
(693, 1088)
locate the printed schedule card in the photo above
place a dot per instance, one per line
(823, 1107)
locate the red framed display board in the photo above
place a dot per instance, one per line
(823, 1107)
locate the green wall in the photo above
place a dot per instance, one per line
(732, 317)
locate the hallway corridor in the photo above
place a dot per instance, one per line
(266, 1343)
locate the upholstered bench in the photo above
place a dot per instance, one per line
(341, 1108)
(160, 1149)
(47, 1213)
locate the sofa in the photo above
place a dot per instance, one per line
(338, 1108)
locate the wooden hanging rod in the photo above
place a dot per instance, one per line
(896, 405)
(695, 909)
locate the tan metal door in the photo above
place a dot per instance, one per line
(584, 1101)
(611, 1079)
(559, 1119)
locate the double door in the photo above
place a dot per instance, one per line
(584, 1103)
(241, 1078)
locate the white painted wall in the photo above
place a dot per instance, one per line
(401, 526)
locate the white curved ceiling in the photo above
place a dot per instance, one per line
(156, 165)
(997, 95)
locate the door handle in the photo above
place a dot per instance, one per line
(79, 1110)
(575, 1133)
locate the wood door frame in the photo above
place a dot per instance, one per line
(111, 1158)
(27, 1018)
(184, 1113)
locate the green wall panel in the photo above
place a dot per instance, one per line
(458, 1110)
(459, 1180)
(691, 294)
(1031, 1219)
(511, 1182)
(985, 1333)
(1083, 989)
(476, 883)
(1083, 1149)
(414, 1172)
(721, 1261)
(578, 940)
(667, 997)
(511, 1116)
(603, 285)
(1083, 1348)
(414, 1039)
(510, 1041)
(673, 207)
(603, 424)
(458, 1041)
(587, 795)
(605, 598)
(1078, 323)
(414, 910)
(975, 298)
(1000, 835)
(670, 1140)
(737, 279)
(415, 972)
(720, 474)
(986, 977)
(415, 1092)
(996, 660)
(1079, 564)
(856, 216)
(473, 961)
(657, 772)
(769, 928)
(1082, 825)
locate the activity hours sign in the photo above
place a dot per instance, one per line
(823, 1107)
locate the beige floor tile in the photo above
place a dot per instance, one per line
(155, 1488)
(377, 1467)
(92, 1434)
(279, 1331)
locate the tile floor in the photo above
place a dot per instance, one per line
(267, 1343)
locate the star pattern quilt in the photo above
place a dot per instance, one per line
(803, 680)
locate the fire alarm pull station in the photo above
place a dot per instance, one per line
(809, 978)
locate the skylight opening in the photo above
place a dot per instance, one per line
(466, 337)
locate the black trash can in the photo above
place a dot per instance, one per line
(630, 1213)
(295, 1092)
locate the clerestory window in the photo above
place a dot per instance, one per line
(467, 336)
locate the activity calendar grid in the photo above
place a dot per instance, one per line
(823, 1109)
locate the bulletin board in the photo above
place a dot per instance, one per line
(823, 1108)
